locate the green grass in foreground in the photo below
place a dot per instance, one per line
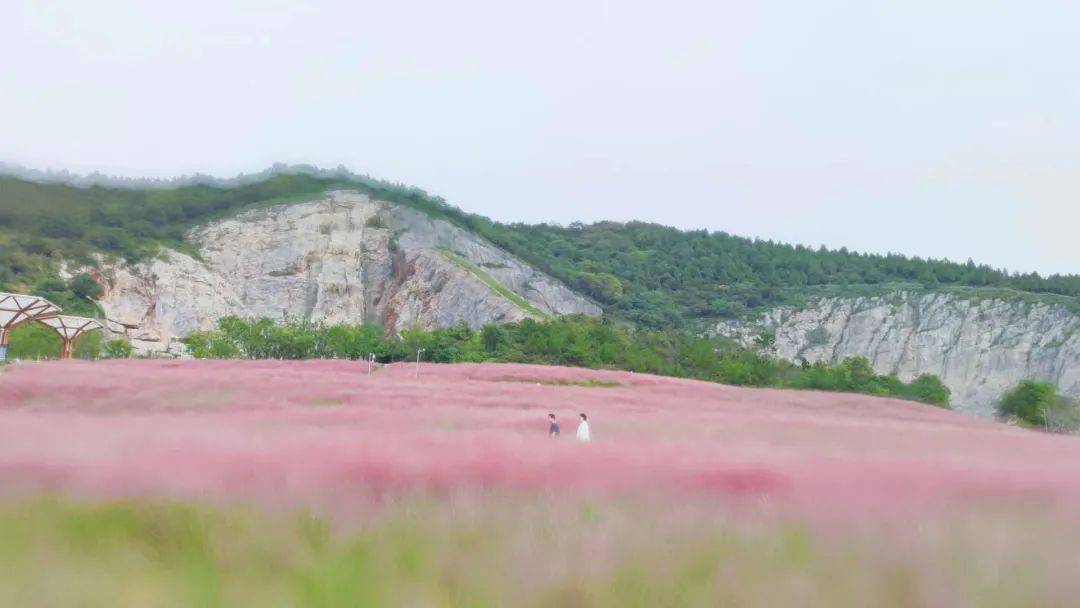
(500, 551)
(590, 383)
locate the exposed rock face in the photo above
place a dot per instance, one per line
(343, 258)
(979, 348)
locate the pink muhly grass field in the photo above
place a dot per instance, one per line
(325, 433)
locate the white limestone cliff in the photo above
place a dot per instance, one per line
(340, 258)
(979, 347)
(345, 258)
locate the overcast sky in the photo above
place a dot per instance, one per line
(941, 129)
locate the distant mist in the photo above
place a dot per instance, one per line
(68, 178)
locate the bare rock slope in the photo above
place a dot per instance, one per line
(341, 258)
(979, 347)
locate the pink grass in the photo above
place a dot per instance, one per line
(324, 432)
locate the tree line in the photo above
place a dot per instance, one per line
(574, 341)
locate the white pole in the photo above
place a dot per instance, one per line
(371, 357)
(418, 361)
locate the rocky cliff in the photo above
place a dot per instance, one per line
(341, 258)
(979, 347)
(345, 258)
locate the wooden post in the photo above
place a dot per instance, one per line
(3, 344)
(68, 349)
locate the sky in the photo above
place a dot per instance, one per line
(938, 129)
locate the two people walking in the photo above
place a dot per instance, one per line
(582, 429)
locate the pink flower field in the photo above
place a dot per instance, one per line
(326, 433)
(266, 483)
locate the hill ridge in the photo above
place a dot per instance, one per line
(637, 270)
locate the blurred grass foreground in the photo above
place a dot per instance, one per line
(497, 550)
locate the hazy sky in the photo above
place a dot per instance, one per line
(944, 129)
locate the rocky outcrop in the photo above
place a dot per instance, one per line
(979, 347)
(345, 258)
(342, 258)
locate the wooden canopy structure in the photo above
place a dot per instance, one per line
(17, 308)
(69, 329)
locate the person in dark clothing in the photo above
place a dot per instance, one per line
(553, 426)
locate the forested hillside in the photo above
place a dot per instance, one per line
(652, 275)
(659, 276)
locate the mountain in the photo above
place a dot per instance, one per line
(337, 258)
(299, 243)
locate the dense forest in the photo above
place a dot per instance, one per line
(575, 341)
(654, 276)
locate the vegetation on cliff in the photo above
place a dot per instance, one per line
(654, 276)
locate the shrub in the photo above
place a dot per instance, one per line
(61, 226)
(603, 286)
(1038, 404)
(766, 339)
(84, 286)
(928, 388)
(818, 336)
(89, 346)
(1063, 416)
(211, 345)
(35, 341)
(118, 349)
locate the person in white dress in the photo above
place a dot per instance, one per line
(583, 429)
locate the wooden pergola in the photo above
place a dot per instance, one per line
(69, 329)
(17, 308)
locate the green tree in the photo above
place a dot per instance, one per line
(89, 346)
(118, 349)
(1028, 402)
(34, 341)
(491, 336)
(413, 340)
(84, 286)
(859, 371)
(212, 345)
(928, 388)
